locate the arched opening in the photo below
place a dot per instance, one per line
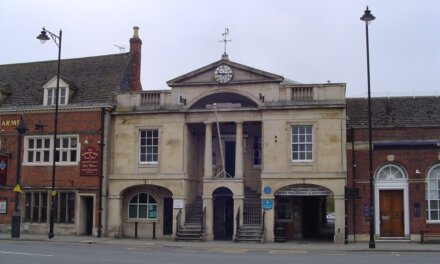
(304, 211)
(433, 195)
(226, 98)
(144, 205)
(223, 204)
(391, 198)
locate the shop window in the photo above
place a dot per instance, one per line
(35, 207)
(65, 208)
(142, 206)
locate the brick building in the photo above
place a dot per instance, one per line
(86, 95)
(406, 166)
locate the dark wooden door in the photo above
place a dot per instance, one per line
(167, 216)
(223, 217)
(391, 213)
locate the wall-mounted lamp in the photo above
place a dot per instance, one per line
(261, 98)
(86, 141)
(417, 173)
(39, 127)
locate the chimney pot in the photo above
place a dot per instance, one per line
(136, 32)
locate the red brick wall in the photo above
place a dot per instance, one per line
(86, 124)
(409, 159)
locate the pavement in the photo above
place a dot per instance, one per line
(381, 246)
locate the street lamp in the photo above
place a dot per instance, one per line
(57, 39)
(367, 18)
(16, 216)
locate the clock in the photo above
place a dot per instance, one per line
(223, 74)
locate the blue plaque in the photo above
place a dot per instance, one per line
(267, 190)
(267, 204)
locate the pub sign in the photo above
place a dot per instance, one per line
(89, 164)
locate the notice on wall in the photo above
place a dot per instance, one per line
(3, 205)
(89, 164)
(3, 169)
(178, 204)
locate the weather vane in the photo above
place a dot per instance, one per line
(225, 39)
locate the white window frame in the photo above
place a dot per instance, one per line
(148, 204)
(67, 151)
(432, 193)
(50, 94)
(143, 148)
(300, 142)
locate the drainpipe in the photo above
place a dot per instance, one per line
(101, 176)
(353, 166)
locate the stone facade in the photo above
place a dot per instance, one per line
(255, 113)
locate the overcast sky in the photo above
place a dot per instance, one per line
(309, 41)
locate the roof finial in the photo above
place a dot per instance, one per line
(225, 41)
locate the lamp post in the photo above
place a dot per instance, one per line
(57, 39)
(16, 215)
(367, 18)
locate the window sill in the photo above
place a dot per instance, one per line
(433, 222)
(51, 164)
(141, 220)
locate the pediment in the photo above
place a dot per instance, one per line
(52, 83)
(240, 74)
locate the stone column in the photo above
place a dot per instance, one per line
(339, 219)
(208, 151)
(269, 222)
(239, 150)
(115, 216)
(238, 204)
(207, 203)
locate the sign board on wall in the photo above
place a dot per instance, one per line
(267, 204)
(3, 205)
(89, 163)
(178, 204)
(3, 169)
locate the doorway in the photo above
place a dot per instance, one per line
(391, 213)
(86, 215)
(223, 203)
(167, 216)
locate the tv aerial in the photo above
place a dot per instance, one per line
(121, 48)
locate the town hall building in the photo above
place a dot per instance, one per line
(229, 152)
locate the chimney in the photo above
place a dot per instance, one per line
(135, 62)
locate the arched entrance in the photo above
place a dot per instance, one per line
(147, 211)
(391, 199)
(300, 212)
(223, 204)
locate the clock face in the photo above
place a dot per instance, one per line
(223, 74)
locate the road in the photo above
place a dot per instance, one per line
(19, 252)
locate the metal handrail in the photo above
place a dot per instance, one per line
(178, 220)
(203, 222)
(237, 221)
(263, 226)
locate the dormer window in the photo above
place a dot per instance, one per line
(51, 95)
(50, 92)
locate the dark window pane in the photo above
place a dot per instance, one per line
(143, 198)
